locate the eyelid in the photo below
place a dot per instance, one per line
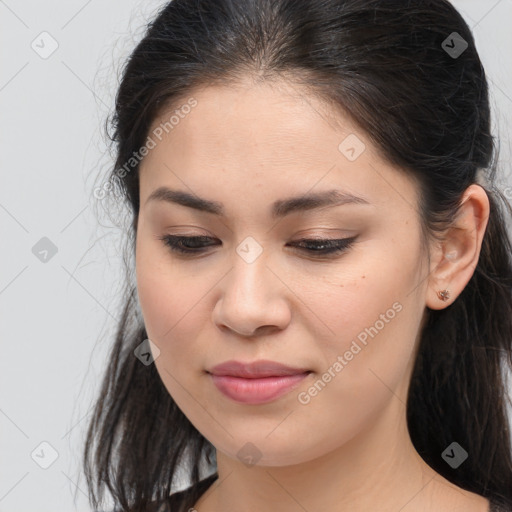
(335, 247)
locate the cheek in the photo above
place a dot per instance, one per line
(373, 321)
(367, 297)
(174, 304)
(366, 361)
(171, 308)
(158, 303)
(166, 296)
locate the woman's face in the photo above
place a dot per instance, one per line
(256, 292)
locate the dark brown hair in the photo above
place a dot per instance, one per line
(427, 110)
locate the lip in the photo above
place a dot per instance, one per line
(257, 382)
(256, 369)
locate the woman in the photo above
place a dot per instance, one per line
(321, 306)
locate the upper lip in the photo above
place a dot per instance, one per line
(256, 369)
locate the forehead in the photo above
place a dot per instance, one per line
(257, 122)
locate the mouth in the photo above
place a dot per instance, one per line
(256, 383)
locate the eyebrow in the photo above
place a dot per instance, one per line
(280, 208)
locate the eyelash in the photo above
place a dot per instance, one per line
(334, 246)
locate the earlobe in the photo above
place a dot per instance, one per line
(458, 254)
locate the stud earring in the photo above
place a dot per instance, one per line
(444, 295)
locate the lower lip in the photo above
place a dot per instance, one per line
(256, 391)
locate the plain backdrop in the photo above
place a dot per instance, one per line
(61, 266)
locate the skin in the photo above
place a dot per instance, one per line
(349, 447)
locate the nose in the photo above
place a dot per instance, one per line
(253, 300)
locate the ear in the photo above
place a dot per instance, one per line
(454, 260)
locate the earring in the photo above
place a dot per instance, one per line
(444, 295)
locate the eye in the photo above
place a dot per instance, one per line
(326, 246)
(186, 244)
(316, 247)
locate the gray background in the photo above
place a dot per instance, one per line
(57, 315)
